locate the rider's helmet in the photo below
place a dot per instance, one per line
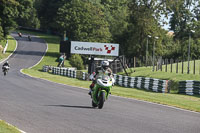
(104, 65)
(7, 62)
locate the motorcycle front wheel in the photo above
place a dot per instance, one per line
(94, 105)
(101, 100)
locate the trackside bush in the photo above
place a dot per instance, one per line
(76, 61)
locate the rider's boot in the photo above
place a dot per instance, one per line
(91, 87)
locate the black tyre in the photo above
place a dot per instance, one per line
(4, 73)
(101, 100)
(94, 105)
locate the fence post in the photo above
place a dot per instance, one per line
(194, 67)
(177, 66)
(156, 64)
(199, 68)
(134, 62)
(171, 64)
(182, 66)
(166, 62)
(115, 66)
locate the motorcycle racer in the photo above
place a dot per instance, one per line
(103, 69)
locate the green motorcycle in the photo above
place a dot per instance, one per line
(101, 90)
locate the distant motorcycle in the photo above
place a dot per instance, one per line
(5, 69)
(20, 34)
(29, 38)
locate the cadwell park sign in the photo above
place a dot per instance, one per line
(91, 48)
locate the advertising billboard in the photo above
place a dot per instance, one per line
(92, 48)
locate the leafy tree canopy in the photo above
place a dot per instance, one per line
(83, 21)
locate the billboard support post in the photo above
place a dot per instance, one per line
(121, 64)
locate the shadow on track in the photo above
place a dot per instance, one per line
(70, 106)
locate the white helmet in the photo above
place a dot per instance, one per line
(104, 64)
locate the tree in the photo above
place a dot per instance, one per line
(47, 11)
(83, 21)
(1, 31)
(181, 17)
(76, 61)
(116, 12)
(143, 21)
(8, 12)
(27, 14)
(13, 12)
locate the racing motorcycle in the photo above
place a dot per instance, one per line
(5, 69)
(101, 90)
(20, 34)
(29, 38)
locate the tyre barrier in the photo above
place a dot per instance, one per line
(68, 72)
(155, 85)
(189, 87)
(82, 75)
(47, 68)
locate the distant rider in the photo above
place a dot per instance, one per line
(5, 64)
(20, 34)
(29, 38)
(103, 69)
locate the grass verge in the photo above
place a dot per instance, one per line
(5, 128)
(177, 100)
(10, 49)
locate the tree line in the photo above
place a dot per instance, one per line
(131, 23)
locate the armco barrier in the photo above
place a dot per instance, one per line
(189, 87)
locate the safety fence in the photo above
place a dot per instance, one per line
(188, 87)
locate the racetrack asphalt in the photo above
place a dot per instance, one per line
(38, 106)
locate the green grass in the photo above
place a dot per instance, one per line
(177, 100)
(174, 66)
(5, 128)
(10, 49)
(3, 43)
(147, 72)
